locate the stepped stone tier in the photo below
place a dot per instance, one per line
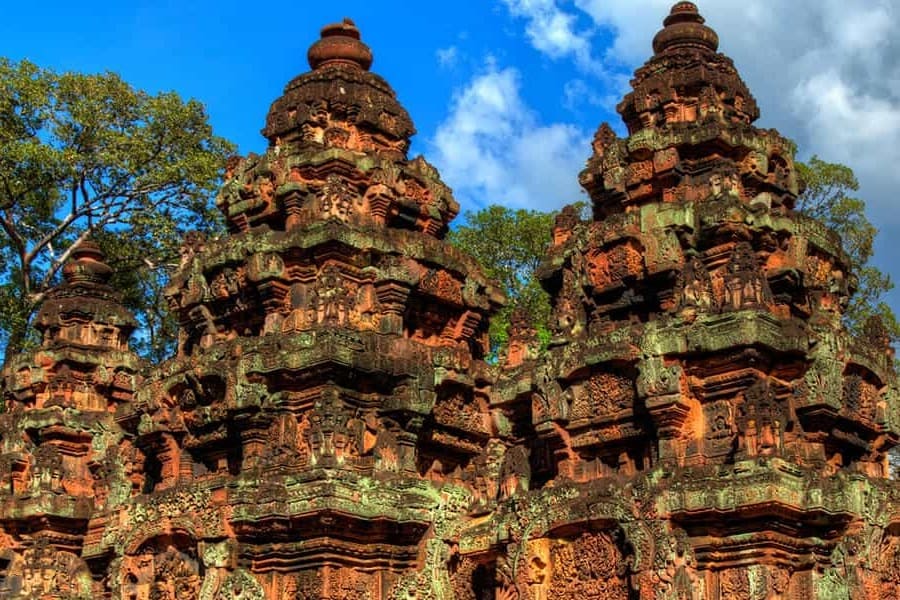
(701, 425)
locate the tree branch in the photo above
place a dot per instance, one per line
(15, 237)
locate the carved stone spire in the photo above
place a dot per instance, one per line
(684, 28)
(686, 79)
(339, 139)
(696, 424)
(689, 101)
(330, 343)
(85, 310)
(340, 45)
(341, 84)
(87, 265)
(59, 439)
(698, 342)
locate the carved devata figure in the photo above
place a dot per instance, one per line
(338, 199)
(762, 421)
(745, 283)
(696, 286)
(333, 299)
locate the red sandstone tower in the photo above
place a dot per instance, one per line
(702, 426)
(329, 392)
(64, 459)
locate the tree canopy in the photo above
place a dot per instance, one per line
(829, 197)
(88, 156)
(510, 245)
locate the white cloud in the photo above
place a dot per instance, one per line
(448, 57)
(641, 19)
(577, 92)
(825, 72)
(492, 149)
(552, 30)
(865, 29)
(847, 119)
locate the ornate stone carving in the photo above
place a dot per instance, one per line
(43, 572)
(240, 585)
(591, 566)
(604, 394)
(745, 285)
(699, 425)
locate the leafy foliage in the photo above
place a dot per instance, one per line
(829, 198)
(510, 245)
(88, 156)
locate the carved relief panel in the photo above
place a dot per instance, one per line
(762, 421)
(591, 566)
(459, 408)
(240, 585)
(745, 284)
(861, 397)
(162, 569)
(44, 572)
(696, 286)
(605, 394)
(720, 428)
(611, 266)
(338, 297)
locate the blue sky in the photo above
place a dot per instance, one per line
(505, 93)
(236, 57)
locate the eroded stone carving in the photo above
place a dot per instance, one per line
(699, 426)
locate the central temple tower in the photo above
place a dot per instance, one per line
(317, 430)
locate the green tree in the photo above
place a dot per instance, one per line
(142, 259)
(510, 244)
(88, 156)
(829, 197)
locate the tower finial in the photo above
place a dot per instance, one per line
(340, 44)
(685, 28)
(87, 265)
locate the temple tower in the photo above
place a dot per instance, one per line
(703, 424)
(62, 459)
(320, 425)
